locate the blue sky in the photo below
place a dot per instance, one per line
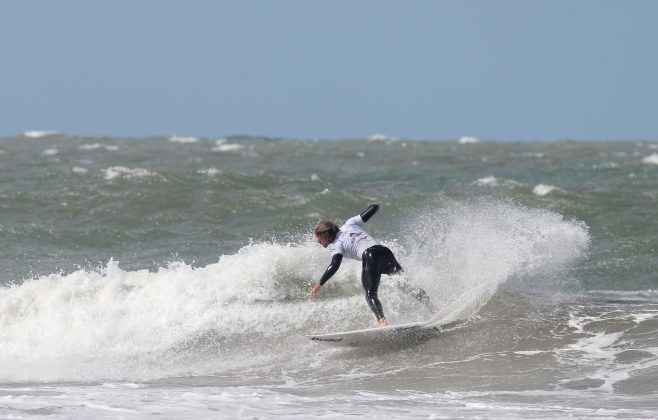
(503, 70)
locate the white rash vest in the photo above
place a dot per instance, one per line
(351, 239)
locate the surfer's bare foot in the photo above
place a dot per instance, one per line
(382, 322)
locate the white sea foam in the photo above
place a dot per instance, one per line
(537, 155)
(596, 351)
(542, 189)
(606, 165)
(184, 401)
(492, 181)
(381, 137)
(227, 148)
(183, 139)
(651, 159)
(210, 171)
(51, 152)
(107, 323)
(38, 134)
(79, 170)
(222, 145)
(123, 172)
(469, 140)
(96, 146)
(620, 295)
(488, 180)
(529, 352)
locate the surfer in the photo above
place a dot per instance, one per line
(352, 241)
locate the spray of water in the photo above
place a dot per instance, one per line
(462, 252)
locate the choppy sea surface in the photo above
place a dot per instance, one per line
(169, 276)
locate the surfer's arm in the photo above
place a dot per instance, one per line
(332, 268)
(369, 212)
(328, 273)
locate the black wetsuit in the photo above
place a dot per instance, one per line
(376, 260)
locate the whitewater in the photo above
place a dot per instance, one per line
(170, 276)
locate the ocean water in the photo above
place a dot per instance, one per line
(169, 277)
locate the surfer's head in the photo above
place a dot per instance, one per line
(325, 233)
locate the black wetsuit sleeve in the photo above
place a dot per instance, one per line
(369, 212)
(333, 267)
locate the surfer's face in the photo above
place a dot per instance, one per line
(322, 241)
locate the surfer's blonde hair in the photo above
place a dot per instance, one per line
(326, 229)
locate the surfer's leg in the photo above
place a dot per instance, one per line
(370, 285)
(370, 277)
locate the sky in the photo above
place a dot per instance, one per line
(516, 70)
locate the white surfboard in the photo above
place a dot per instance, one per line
(371, 336)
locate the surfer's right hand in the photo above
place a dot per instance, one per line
(314, 291)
